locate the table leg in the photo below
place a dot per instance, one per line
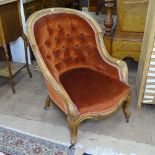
(9, 68)
(26, 55)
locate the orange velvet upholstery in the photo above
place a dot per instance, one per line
(67, 41)
(68, 46)
(55, 97)
(92, 91)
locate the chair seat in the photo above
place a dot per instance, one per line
(92, 91)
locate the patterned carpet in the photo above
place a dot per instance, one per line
(16, 143)
(1, 153)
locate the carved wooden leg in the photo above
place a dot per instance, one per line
(26, 55)
(125, 108)
(9, 68)
(47, 102)
(73, 125)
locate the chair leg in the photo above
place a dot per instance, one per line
(125, 106)
(73, 126)
(26, 55)
(47, 102)
(9, 68)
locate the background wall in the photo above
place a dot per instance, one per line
(17, 47)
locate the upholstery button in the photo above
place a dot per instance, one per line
(82, 36)
(49, 30)
(47, 43)
(73, 28)
(49, 56)
(99, 68)
(60, 27)
(57, 40)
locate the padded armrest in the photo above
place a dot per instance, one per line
(120, 65)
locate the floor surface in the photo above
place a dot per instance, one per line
(28, 103)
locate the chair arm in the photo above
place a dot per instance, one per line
(72, 110)
(119, 64)
(123, 69)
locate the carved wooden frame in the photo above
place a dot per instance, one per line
(73, 116)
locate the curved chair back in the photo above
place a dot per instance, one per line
(67, 41)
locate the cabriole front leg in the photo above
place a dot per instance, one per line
(73, 126)
(125, 107)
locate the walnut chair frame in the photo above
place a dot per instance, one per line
(73, 116)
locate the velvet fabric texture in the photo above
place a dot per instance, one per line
(68, 46)
(92, 91)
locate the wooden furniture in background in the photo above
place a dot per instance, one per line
(32, 6)
(1, 54)
(125, 39)
(99, 6)
(56, 3)
(146, 70)
(76, 4)
(10, 30)
(92, 5)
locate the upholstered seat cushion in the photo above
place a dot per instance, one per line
(92, 91)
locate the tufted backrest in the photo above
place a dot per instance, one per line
(67, 41)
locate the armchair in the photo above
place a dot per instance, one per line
(81, 78)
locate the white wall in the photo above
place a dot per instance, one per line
(17, 47)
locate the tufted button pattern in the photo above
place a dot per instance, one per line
(67, 41)
(49, 31)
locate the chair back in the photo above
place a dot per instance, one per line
(66, 41)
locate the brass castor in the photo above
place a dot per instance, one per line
(71, 146)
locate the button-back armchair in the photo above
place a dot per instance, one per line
(81, 78)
